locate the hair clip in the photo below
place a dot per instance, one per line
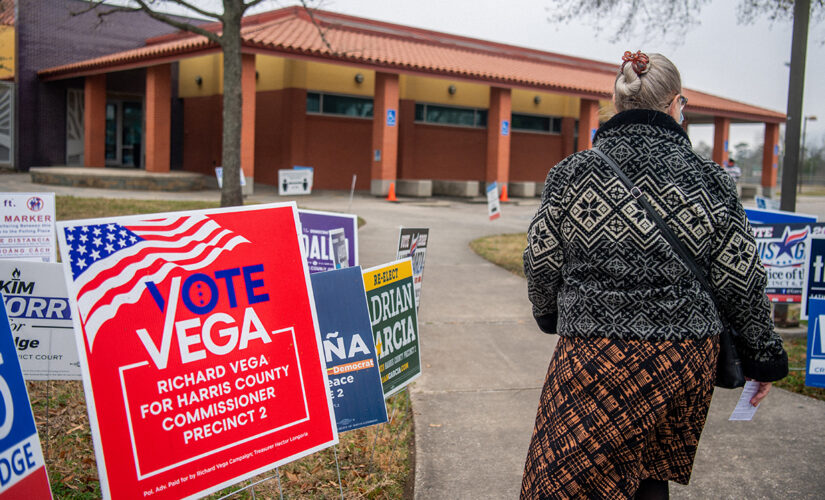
(638, 61)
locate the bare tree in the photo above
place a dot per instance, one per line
(229, 40)
(669, 19)
(673, 18)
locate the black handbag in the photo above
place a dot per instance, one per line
(729, 373)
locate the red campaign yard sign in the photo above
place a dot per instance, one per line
(200, 348)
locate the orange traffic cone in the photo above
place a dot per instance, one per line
(503, 196)
(391, 194)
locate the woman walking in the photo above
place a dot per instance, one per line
(629, 386)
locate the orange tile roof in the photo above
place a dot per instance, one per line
(395, 48)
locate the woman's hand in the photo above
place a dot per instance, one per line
(764, 388)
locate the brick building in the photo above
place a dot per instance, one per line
(388, 103)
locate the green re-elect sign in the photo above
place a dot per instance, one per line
(391, 298)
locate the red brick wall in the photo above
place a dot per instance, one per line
(338, 148)
(533, 155)
(442, 152)
(270, 136)
(202, 129)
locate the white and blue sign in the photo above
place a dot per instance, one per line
(37, 304)
(505, 127)
(766, 203)
(391, 114)
(815, 365)
(493, 206)
(349, 349)
(814, 285)
(22, 468)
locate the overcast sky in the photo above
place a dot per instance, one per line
(719, 56)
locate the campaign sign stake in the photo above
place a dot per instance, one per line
(815, 369)
(352, 366)
(199, 345)
(22, 467)
(391, 296)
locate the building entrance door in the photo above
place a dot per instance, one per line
(124, 133)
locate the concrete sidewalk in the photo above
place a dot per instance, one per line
(484, 363)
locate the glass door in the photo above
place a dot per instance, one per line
(112, 137)
(124, 133)
(131, 134)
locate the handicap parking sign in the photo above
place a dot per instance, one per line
(505, 127)
(390, 117)
(815, 369)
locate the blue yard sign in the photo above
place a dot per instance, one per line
(352, 367)
(390, 117)
(815, 369)
(765, 216)
(22, 468)
(814, 285)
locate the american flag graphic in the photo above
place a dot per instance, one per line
(111, 262)
(413, 246)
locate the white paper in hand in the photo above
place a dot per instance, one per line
(744, 410)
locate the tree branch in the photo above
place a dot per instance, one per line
(181, 25)
(252, 4)
(194, 8)
(101, 14)
(320, 30)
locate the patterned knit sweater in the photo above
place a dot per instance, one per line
(597, 265)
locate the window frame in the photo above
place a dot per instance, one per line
(552, 119)
(321, 111)
(476, 112)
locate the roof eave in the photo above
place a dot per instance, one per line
(66, 72)
(413, 70)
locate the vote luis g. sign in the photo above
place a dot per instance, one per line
(199, 346)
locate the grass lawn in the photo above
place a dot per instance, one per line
(505, 250)
(61, 417)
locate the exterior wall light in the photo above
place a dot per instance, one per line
(198, 80)
(537, 100)
(359, 78)
(257, 75)
(451, 89)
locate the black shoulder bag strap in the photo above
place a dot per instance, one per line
(729, 373)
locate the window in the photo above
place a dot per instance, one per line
(450, 115)
(342, 105)
(536, 123)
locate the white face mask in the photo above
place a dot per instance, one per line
(681, 117)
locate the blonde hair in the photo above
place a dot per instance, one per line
(654, 88)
